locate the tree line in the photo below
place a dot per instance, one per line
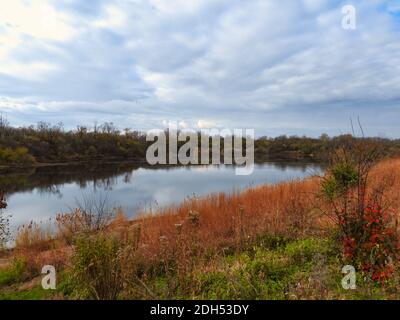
(306, 148)
(46, 143)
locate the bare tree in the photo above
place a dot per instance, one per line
(95, 211)
(4, 126)
(4, 221)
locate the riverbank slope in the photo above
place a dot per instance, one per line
(269, 242)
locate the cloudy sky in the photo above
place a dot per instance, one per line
(278, 66)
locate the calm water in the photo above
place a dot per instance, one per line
(41, 193)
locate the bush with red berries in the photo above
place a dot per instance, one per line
(369, 237)
(368, 232)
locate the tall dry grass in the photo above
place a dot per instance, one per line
(223, 221)
(201, 227)
(219, 221)
(33, 234)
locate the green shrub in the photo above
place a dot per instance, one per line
(17, 156)
(14, 274)
(261, 273)
(97, 271)
(342, 177)
(367, 225)
(305, 250)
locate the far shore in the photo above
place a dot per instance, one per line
(143, 162)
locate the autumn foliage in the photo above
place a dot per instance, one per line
(365, 210)
(359, 205)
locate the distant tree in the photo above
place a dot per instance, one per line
(47, 143)
(324, 137)
(4, 125)
(4, 222)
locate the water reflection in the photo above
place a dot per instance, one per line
(37, 194)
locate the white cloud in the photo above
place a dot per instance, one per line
(21, 21)
(37, 19)
(183, 125)
(315, 5)
(206, 124)
(112, 18)
(177, 6)
(27, 71)
(271, 65)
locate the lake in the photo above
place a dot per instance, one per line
(40, 193)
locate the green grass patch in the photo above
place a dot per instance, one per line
(13, 274)
(37, 293)
(268, 269)
(260, 273)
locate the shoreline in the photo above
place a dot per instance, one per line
(265, 241)
(72, 163)
(258, 160)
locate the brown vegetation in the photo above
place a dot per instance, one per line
(222, 220)
(172, 241)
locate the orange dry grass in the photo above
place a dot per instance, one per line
(226, 221)
(38, 246)
(33, 234)
(291, 209)
(219, 221)
(385, 180)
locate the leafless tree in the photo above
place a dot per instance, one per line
(4, 221)
(96, 212)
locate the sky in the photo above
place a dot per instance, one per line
(276, 66)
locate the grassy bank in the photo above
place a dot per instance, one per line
(270, 242)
